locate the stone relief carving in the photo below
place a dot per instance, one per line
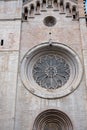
(68, 8)
(51, 71)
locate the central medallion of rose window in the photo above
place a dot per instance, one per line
(51, 71)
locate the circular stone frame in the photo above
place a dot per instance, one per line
(31, 57)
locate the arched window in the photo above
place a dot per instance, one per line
(31, 12)
(38, 6)
(43, 3)
(68, 8)
(74, 13)
(25, 13)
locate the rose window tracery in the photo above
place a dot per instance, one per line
(51, 71)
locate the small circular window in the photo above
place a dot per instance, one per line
(50, 21)
(51, 71)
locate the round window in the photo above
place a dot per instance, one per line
(51, 71)
(49, 21)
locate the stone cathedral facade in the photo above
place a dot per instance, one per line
(43, 65)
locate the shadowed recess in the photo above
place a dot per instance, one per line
(52, 120)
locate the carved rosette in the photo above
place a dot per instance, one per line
(51, 71)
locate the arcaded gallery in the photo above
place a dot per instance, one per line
(43, 65)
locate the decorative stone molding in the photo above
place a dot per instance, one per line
(51, 71)
(52, 120)
(33, 8)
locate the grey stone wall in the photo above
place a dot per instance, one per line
(10, 9)
(10, 25)
(18, 107)
(65, 31)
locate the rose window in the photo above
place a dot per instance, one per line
(51, 71)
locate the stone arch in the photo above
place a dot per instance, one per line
(38, 6)
(31, 12)
(68, 8)
(25, 13)
(55, 3)
(61, 5)
(52, 119)
(74, 12)
(43, 4)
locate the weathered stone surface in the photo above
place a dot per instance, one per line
(8, 82)
(29, 106)
(18, 107)
(67, 32)
(10, 9)
(10, 34)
